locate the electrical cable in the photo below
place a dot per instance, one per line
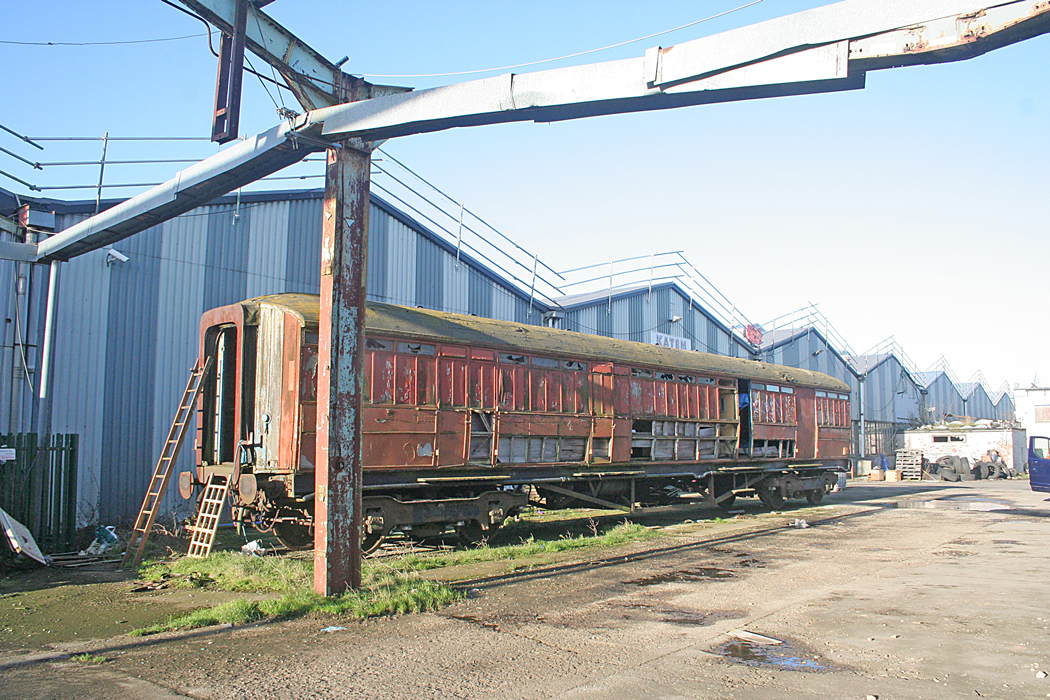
(272, 69)
(211, 47)
(98, 43)
(454, 202)
(120, 138)
(21, 343)
(154, 184)
(572, 55)
(259, 75)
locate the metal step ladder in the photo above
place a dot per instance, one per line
(215, 493)
(162, 472)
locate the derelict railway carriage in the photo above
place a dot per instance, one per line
(464, 419)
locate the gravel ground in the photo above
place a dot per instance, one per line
(894, 591)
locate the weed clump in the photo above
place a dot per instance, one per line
(391, 585)
(389, 594)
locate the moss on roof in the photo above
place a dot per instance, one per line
(442, 327)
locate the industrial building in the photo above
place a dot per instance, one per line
(126, 326)
(1033, 409)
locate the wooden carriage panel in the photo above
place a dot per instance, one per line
(581, 393)
(452, 382)
(452, 430)
(621, 451)
(405, 379)
(288, 423)
(642, 397)
(513, 395)
(833, 442)
(806, 418)
(673, 407)
(482, 388)
(660, 398)
(399, 437)
(602, 391)
(766, 431)
(689, 401)
(379, 376)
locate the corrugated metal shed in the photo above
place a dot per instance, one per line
(946, 399)
(807, 348)
(126, 333)
(1005, 408)
(978, 403)
(891, 394)
(633, 313)
(942, 397)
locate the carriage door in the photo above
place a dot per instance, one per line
(219, 416)
(807, 435)
(746, 434)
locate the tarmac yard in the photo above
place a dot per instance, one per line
(925, 590)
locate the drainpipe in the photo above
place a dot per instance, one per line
(860, 390)
(44, 409)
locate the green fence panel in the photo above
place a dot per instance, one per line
(40, 489)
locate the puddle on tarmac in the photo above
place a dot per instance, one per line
(769, 655)
(699, 574)
(964, 503)
(698, 619)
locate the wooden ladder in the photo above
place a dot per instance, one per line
(208, 517)
(162, 472)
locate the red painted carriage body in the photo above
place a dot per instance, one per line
(465, 403)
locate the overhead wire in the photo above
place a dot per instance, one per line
(98, 43)
(454, 202)
(272, 69)
(211, 47)
(571, 55)
(21, 343)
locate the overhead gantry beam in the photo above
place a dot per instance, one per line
(314, 80)
(825, 49)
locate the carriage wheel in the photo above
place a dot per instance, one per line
(294, 536)
(772, 498)
(470, 533)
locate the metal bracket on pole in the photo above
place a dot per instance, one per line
(227, 117)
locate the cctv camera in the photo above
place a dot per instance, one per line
(115, 255)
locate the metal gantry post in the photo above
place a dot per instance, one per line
(344, 250)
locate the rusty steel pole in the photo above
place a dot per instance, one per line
(344, 251)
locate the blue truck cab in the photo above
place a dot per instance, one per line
(1039, 463)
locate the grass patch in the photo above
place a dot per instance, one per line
(619, 534)
(390, 594)
(229, 571)
(90, 658)
(391, 585)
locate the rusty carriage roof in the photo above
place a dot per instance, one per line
(443, 327)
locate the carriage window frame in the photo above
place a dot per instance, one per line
(513, 359)
(380, 344)
(416, 349)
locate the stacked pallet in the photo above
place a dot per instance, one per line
(909, 465)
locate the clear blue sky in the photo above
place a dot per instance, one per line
(915, 208)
